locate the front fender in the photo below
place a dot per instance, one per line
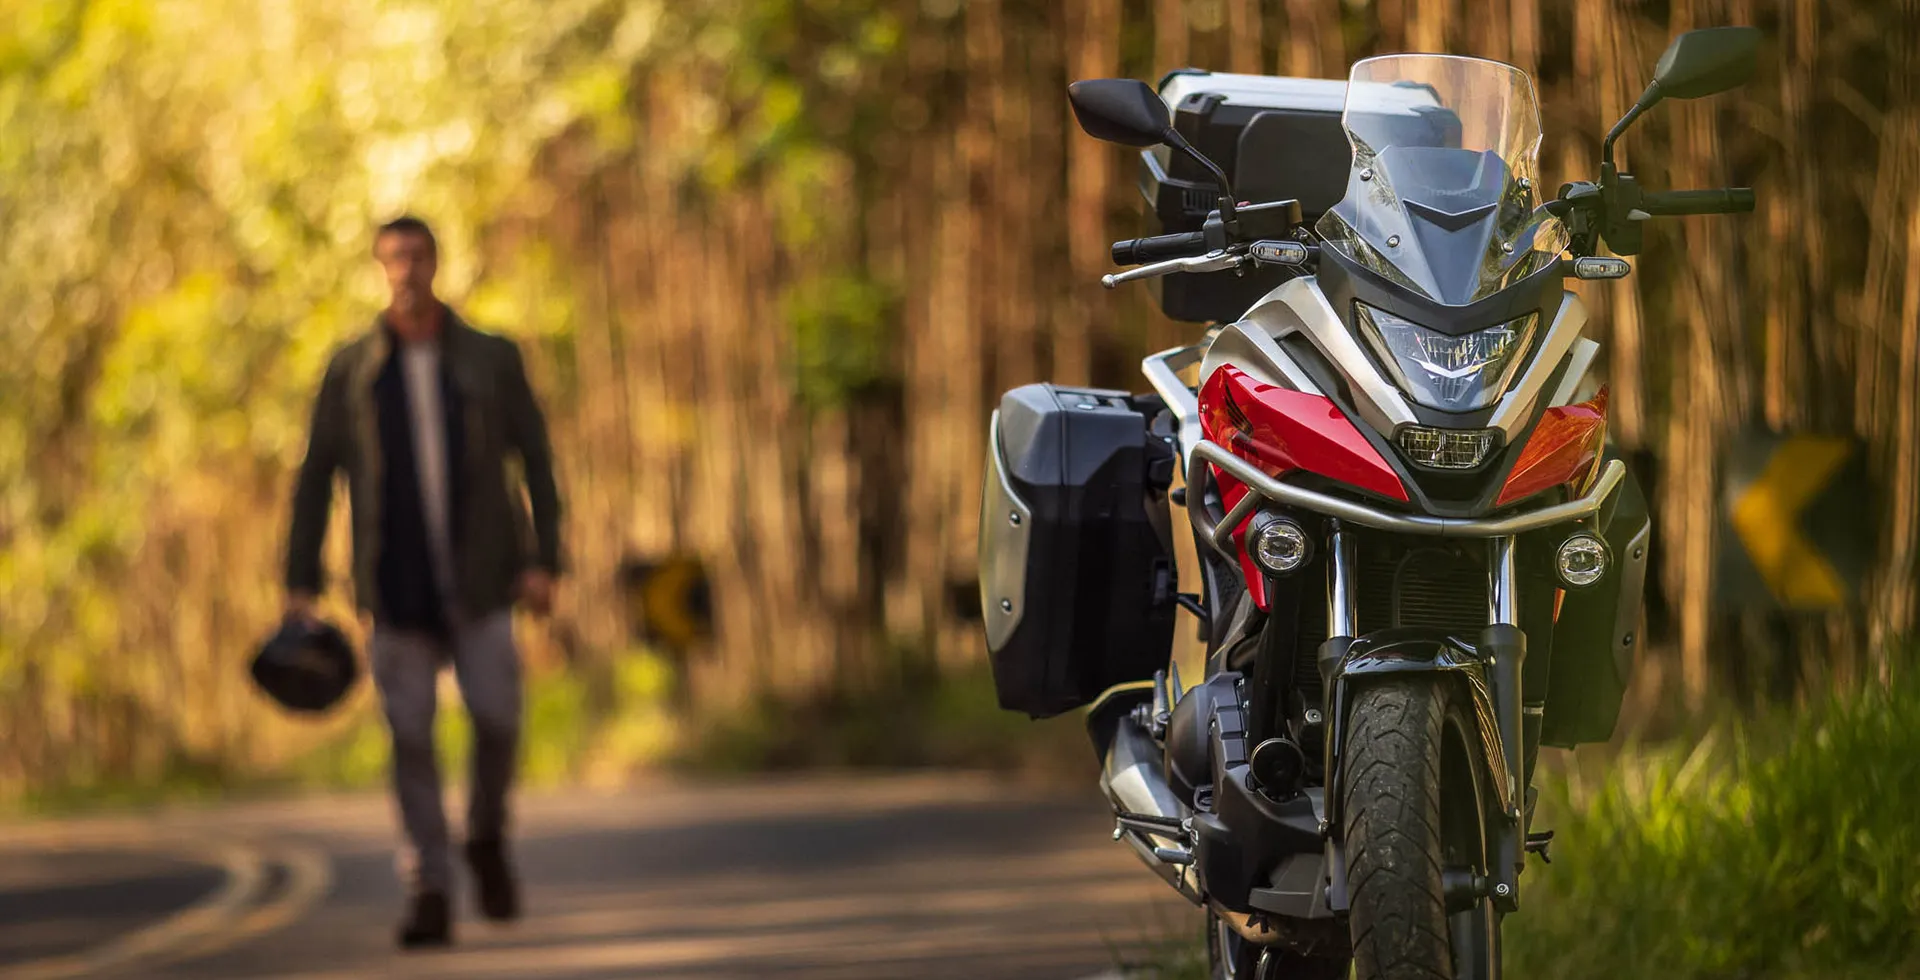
(1422, 651)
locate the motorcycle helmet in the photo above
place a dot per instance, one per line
(307, 666)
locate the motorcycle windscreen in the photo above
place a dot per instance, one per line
(1442, 196)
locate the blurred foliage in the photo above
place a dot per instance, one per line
(186, 190)
(186, 193)
(841, 341)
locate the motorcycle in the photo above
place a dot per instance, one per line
(1419, 558)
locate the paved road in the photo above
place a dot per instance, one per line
(887, 877)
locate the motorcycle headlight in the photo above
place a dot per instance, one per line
(1452, 374)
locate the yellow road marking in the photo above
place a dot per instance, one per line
(309, 875)
(220, 921)
(245, 872)
(1767, 518)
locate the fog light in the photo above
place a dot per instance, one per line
(1581, 560)
(1446, 449)
(1279, 545)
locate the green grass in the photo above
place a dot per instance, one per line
(1784, 847)
(954, 722)
(597, 724)
(604, 721)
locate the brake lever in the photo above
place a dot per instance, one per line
(1214, 261)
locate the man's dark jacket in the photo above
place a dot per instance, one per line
(361, 426)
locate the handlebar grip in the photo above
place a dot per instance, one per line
(1139, 251)
(1727, 200)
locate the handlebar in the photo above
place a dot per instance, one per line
(1156, 248)
(1729, 200)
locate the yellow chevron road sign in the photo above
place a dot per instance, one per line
(668, 600)
(1797, 521)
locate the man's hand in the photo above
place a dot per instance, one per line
(301, 607)
(535, 590)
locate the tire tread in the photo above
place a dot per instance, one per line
(1392, 825)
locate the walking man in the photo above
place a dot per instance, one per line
(423, 413)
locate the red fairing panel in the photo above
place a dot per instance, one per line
(1281, 430)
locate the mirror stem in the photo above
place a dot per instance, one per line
(1647, 99)
(1179, 142)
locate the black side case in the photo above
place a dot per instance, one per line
(1076, 559)
(1593, 641)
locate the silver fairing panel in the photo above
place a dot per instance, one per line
(1299, 307)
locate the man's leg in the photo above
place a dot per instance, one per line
(406, 667)
(487, 665)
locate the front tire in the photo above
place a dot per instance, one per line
(1414, 810)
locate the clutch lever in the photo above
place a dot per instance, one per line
(1214, 261)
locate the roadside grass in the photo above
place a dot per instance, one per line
(1779, 847)
(597, 725)
(1784, 846)
(604, 722)
(954, 722)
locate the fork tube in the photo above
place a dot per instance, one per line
(1503, 600)
(1341, 597)
(1505, 647)
(1341, 600)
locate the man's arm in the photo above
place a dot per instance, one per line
(313, 488)
(528, 432)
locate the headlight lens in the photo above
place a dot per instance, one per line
(1447, 449)
(1452, 374)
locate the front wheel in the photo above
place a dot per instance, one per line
(1415, 815)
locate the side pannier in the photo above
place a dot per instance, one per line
(1077, 573)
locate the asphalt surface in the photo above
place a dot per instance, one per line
(927, 875)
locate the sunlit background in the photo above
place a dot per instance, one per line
(772, 262)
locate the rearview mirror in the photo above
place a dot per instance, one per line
(1697, 63)
(1706, 61)
(1120, 110)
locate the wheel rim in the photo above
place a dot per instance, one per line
(1475, 932)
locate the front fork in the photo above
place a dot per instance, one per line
(1505, 648)
(1493, 679)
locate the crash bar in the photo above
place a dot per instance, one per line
(1446, 527)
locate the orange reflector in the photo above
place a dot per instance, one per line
(1564, 449)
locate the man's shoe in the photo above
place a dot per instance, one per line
(428, 922)
(493, 879)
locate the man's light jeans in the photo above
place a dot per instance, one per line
(406, 668)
